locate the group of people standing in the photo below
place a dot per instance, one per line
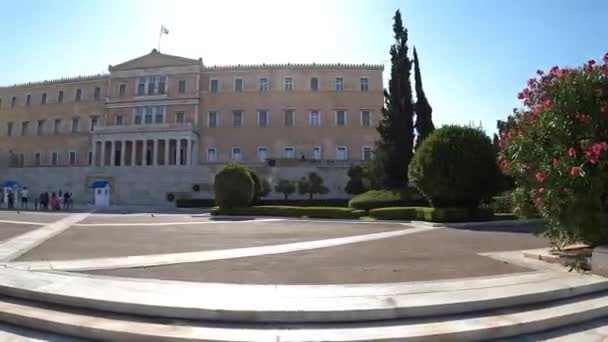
(44, 201)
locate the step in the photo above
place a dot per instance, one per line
(294, 303)
(491, 325)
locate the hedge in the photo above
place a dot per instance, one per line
(195, 203)
(432, 214)
(330, 202)
(291, 211)
(388, 198)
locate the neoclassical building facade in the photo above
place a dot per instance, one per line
(172, 117)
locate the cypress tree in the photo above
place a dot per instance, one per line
(397, 125)
(424, 120)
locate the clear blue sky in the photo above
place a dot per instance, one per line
(475, 54)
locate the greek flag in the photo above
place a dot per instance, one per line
(163, 29)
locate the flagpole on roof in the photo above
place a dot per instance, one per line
(164, 30)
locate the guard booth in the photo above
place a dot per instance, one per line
(102, 193)
(7, 186)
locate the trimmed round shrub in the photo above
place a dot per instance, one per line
(456, 167)
(233, 187)
(388, 198)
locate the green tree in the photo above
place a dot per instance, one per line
(424, 119)
(285, 187)
(356, 183)
(311, 185)
(397, 125)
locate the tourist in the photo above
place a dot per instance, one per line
(55, 202)
(66, 200)
(11, 199)
(60, 198)
(36, 202)
(24, 196)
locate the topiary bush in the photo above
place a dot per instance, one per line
(233, 186)
(388, 198)
(456, 167)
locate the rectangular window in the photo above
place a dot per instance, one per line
(78, 95)
(364, 84)
(212, 120)
(9, 129)
(262, 153)
(13, 101)
(60, 96)
(262, 118)
(159, 116)
(40, 127)
(214, 86)
(72, 158)
(181, 87)
(288, 84)
(314, 84)
(263, 84)
(180, 117)
(162, 84)
(97, 93)
(236, 154)
(237, 118)
(43, 99)
(314, 119)
(366, 118)
(37, 159)
(340, 118)
(28, 99)
(122, 89)
(139, 114)
(75, 122)
(151, 81)
(339, 84)
(119, 119)
(341, 153)
(316, 153)
(93, 124)
(211, 154)
(141, 86)
(149, 116)
(238, 85)
(366, 153)
(56, 126)
(21, 160)
(289, 118)
(90, 158)
(54, 158)
(289, 152)
(24, 126)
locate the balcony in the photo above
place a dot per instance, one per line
(164, 127)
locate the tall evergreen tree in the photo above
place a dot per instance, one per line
(397, 125)
(424, 120)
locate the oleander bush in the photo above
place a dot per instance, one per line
(234, 186)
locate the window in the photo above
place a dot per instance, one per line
(13, 101)
(211, 154)
(214, 86)
(119, 119)
(263, 84)
(94, 120)
(364, 84)
(237, 118)
(316, 153)
(54, 158)
(72, 158)
(56, 126)
(97, 93)
(159, 116)
(314, 84)
(212, 120)
(341, 153)
(40, 128)
(181, 87)
(151, 83)
(78, 95)
(75, 122)
(90, 158)
(162, 84)
(288, 84)
(122, 89)
(314, 119)
(149, 115)
(141, 86)
(28, 99)
(9, 129)
(43, 99)
(366, 153)
(339, 84)
(24, 126)
(340, 118)
(236, 153)
(238, 85)
(60, 96)
(262, 153)
(262, 118)
(289, 152)
(21, 160)
(289, 120)
(366, 118)
(139, 114)
(180, 117)
(37, 159)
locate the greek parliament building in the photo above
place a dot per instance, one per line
(161, 124)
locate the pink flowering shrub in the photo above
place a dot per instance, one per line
(556, 149)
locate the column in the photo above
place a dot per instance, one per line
(112, 151)
(167, 152)
(133, 151)
(93, 163)
(177, 143)
(154, 152)
(102, 160)
(123, 152)
(188, 160)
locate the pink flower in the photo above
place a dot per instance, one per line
(572, 152)
(604, 108)
(520, 95)
(540, 72)
(583, 118)
(547, 103)
(606, 58)
(538, 201)
(541, 176)
(541, 190)
(575, 171)
(503, 164)
(591, 62)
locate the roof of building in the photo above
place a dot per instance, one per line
(58, 81)
(155, 59)
(264, 66)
